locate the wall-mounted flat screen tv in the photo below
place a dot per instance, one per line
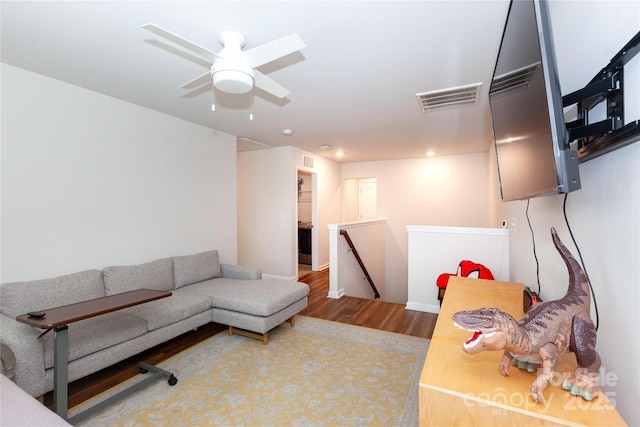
(530, 134)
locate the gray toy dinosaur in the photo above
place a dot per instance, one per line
(547, 330)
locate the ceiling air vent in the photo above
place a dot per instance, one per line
(246, 144)
(448, 98)
(513, 80)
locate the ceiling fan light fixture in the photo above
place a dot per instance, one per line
(233, 81)
(232, 69)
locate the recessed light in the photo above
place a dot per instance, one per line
(430, 153)
(287, 132)
(339, 153)
(325, 147)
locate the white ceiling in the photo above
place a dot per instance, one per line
(353, 86)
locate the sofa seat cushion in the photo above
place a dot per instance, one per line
(95, 334)
(196, 268)
(170, 310)
(262, 297)
(22, 297)
(157, 275)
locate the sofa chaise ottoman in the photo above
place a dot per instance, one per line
(252, 307)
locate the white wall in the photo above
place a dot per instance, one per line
(441, 191)
(346, 275)
(604, 215)
(266, 190)
(437, 250)
(350, 200)
(90, 181)
(267, 194)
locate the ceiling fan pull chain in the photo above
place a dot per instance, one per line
(251, 113)
(213, 99)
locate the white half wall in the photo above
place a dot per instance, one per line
(437, 250)
(90, 181)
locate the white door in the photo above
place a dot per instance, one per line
(368, 200)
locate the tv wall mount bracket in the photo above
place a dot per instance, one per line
(597, 138)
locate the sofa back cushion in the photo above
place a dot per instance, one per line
(18, 298)
(157, 275)
(196, 268)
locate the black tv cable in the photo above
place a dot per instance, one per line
(584, 267)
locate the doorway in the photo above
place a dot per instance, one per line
(306, 221)
(367, 204)
(360, 199)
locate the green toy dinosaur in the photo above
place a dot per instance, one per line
(548, 330)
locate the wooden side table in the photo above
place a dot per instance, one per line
(58, 318)
(457, 388)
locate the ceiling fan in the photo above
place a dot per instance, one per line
(232, 69)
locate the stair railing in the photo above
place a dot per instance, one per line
(353, 249)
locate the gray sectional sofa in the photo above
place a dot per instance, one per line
(203, 290)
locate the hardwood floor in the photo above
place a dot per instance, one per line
(381, 315)
(355, 311)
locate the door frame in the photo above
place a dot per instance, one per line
(314, 217)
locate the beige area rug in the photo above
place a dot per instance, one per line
(318, 373)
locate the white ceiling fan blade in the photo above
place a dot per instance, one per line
(202, 51)
(268, 85)
(198, 81)
(271, 51)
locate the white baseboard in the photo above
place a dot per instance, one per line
(336, 295)
(422, 307)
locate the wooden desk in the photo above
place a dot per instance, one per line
(59, 317)
(457, 388)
